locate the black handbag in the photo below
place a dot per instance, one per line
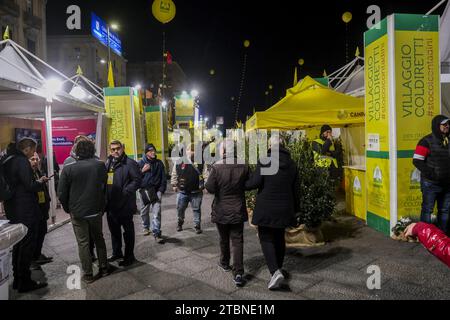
(149, 196)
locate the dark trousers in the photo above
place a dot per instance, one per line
(116, 223)
(435, 194)
(273, 245)
(41, 233)
(85, 230)
(23, 254)
(235, 233)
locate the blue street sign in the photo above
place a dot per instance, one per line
(99, 30)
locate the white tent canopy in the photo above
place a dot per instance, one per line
(25, 92)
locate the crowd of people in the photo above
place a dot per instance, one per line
(89, 188)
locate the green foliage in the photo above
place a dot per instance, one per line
(316, 189)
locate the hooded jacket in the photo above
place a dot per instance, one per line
(277, 199)
(432, 155)
(156, 176)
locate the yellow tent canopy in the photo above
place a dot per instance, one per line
(310, 104)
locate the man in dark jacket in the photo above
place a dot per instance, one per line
(82, 194)
(154, 181)
(124, 180)
(44, 200)
(276, 205)
(432, 159)
(229, 212)
(187, 180)
(23, 208)
(70, 160)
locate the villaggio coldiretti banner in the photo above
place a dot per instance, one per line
(123, 109)
(155, 134)
(418, 99)
(402, 96)
(184, 109)
(377, 127)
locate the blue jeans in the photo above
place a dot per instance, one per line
(433, 193)
(196, 202)
(155, 209)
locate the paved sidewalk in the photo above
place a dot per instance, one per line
(186, 266)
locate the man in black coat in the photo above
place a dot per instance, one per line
(276, 205)
(124, 179)
(23, 208)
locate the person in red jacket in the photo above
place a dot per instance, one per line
(432, 238)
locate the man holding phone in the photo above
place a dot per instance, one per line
(44, 200)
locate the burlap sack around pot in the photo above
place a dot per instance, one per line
(302, 237)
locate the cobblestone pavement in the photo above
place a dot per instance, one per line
(185, 267)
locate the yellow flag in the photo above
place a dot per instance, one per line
(295, 77)
(325, 74)
(6, 34)
(110, 76)
(357, 54)
(79, 71)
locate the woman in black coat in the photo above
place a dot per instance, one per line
(276, 205)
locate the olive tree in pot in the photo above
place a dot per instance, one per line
(316, 196)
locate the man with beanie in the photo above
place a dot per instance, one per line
(432, 159)
(325, 154)
(154, 182)
(188, 180)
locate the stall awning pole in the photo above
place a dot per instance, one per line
(99, 135)
(50, 164)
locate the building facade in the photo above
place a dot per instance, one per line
(150, 76)
(66, 53)
(26, 20)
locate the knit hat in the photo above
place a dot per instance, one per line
(150, 147)
(325, 128)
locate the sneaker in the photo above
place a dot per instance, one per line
(238, 281)
(159, 239)
(106, 271)
(35, 266)
(43, 260)
(179, 228)
(276, 281)
(146, 232)
(225, 268)
(127, 262)
(88, 278)
(114, 258)
(198, 230)
(31, 286)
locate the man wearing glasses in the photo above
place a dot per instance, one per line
(124, 179)
(432, 159)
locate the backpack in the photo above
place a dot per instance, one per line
(6, 191)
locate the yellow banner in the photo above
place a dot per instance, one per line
(184, 108)
(418, 101)
(153, 123)
(377, 96)
(138, 123)
(119, 111)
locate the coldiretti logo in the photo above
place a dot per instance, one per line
(415, 179)
(357, 188)
(165, 6)
(378, 177)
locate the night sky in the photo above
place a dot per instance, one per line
(209, 34)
